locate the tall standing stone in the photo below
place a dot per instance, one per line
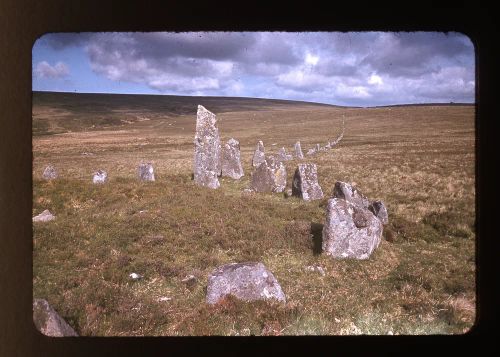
(50, 173)
(270, 176)
(350, 231)
(305, 183)
(145, 172)
(231, 164)
(259, 156)
(207, 150)
(298, 150)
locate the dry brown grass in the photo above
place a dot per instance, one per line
(418, 159)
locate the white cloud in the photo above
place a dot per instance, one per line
(44, 70)
(374, 79)
(311, 60)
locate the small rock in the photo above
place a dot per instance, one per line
(45, 216)
(189, 281)
(100, 176)
(164, 298)
(49, 322)
(311, 152)
(145, 172)
(135, 276)
(49, 173)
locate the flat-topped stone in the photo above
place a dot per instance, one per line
(269, 176)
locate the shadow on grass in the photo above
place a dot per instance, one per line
(317, 236)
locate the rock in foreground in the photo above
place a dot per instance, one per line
(207, 150)
(245, 281)
(48, 321)
(45, 216)
(305, 183)
(350, 231)
(231, 163)
(270, 176)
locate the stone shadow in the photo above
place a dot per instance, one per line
(317, 237)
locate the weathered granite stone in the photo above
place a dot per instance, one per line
(270, 176)
(207, 150)
(45, 216)
(311, 151)
(349, 193)
(379, 210)
(145, 172)
(298, 150)
(50, 173)
(259, 156)
(245, 281)
(100, 176)
(305, 183)
(48, 321)
(231, 164)
(283, 156)
(350, 231)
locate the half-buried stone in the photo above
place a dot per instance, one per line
(45, 216)
(145, 172)
(231, 163)
(207, 150)
(48, 321)
(305, 183)
(245, 281)
(269, 176)
(350, 230)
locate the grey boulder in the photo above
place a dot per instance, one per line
(50, 173)
(350, 231)
(245, 281)
(379, 210)
(207, 150)
(48, 321)
(145, 172)
(100, 176)
(305, 183)
(270, 176)
(231, 163)
(45, 216)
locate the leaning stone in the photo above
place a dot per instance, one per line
(305, 183)
(350, 231)
(100, 176)
(231, 164)
(245, 281)
(259, 156)
(379, 210)
(48, 321)
(45, 216)
(349, 193)
(298, 150)
(49, 173)
(207, 150)
(270, 176)
(146, 172)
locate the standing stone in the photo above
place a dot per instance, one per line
(350, 231)
(347, 192)
(282, 155)
(145, 172)
(49, 173)
(231, 164)
(48, 321)
(259, 156)
(298, 150)
(270, 176)
(305, 183)
(207, 150)
(100, 176)
(45, 216)
(317, 148)
(328, 146)
(245, 281)
(379, 210)
(311, 151)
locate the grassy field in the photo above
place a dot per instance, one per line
(418, 159)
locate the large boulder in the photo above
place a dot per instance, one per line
(245, 281)
(270, 176)
(50, 173)
(305, 183)
(349, 193)
(207, 150)
(146, 172)
(100, 176)
(350, 231)
(45, 216)
(259, 155)
(48, 321)
(298, 150)
(231, 164)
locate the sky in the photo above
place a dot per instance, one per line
(351, 68)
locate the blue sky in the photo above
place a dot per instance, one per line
(359, 69)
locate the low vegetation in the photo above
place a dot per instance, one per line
(419, 160)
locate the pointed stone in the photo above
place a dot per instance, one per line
(231, 164)
(50, 173)
(379, 210)
(259, 156)
(270, 176)
(48, 321)
(283, 156)
(207, 150)
(298, 150)
(305, 183)
(145, 172)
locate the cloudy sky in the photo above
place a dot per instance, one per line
(359, 69)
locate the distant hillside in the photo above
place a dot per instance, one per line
(451, 104)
